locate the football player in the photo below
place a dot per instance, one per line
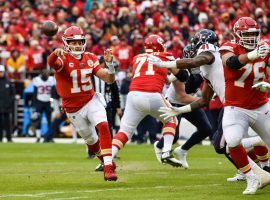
(208, 58)
(74, 69)
(145, 98)
(43, 85)
(177, 96)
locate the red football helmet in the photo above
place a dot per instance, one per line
(74, 33)
(247, 32)
(154, 43)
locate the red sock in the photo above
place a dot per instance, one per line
(253, 156)
(95, 148)
(119, 140)
(261, 153)
(239, 156)
(169, 128)
(105, 138)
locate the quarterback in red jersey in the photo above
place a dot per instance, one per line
(74, 69)
(245, 65)
(145, 98)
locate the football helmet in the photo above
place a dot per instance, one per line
(154, 43)
(189, 51)
(74, 33)
(204, 36)
(247, 33)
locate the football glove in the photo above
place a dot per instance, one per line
(154, 60)
(260, 52)
(262, 86)
(168, 112)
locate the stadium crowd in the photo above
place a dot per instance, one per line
(120, 25)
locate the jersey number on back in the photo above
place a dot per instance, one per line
(258, 75)
(140, 61)
(81, 85)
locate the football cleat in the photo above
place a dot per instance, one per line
(109, 173)
(182, 154)
(252, 185)
(158, 152)
(239, 176)
(100, 166)
(263, 176)
(167, 158)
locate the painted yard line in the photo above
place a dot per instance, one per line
(39, 195)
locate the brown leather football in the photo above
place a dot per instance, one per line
(49, 28)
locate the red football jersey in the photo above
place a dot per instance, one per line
(238, 83)
(148, 78)
(74, 79)
(35, 59)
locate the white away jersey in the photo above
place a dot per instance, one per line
(214, 73)
(44, 88)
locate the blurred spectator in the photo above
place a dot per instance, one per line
(16, 65)
(6, 105)
(36, 58)
(138, 45)
(124, 54)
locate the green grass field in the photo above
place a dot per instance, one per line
(62, 171)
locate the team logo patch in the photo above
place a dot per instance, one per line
(71, 64)
(90, 63)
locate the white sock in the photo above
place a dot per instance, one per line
(252, 163)
(107, 160)
(168, 140)
(114, 151)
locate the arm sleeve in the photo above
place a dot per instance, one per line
(55, 62)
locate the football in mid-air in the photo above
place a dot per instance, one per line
(49, 28)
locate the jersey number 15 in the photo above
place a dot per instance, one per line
(84, 84)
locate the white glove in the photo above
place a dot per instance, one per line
(260, 52)
(262, 86)
(167, 113)
(153, 60)
(111, 69)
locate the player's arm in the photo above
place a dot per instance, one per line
(236, 62)
(167, 113)
(107, 75)
(203, 58)
(55, 61)
(181, 95)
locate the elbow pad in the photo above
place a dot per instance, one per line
(182, 75)
(234, 63)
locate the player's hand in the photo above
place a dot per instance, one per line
(262, 86)
(168, 112)
(60, 52)
(153, 60)
(263, 50)
(119, 112)
(108, 55)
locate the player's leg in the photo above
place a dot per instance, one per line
(168, 132)
(199, 119)
(158, 145)
(258, 152)
(235, 126)
(133, 114)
